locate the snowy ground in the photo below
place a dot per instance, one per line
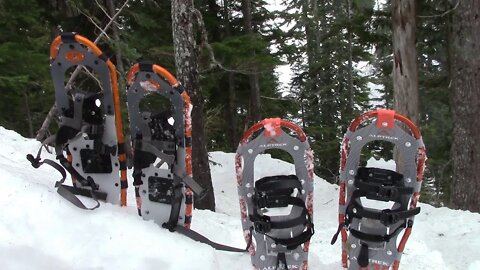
(40, 230)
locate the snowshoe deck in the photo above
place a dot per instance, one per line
(369, 234)
(90, 129)
(276, 241)
(161, 141)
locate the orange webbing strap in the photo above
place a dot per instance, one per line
(122, 157)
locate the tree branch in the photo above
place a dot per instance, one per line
(441, 14)
(42, 132)
(214, 63)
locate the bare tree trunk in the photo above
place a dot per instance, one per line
(255, 113)
(465, 90)
(231, 112)
(349, 109)
(186, 62)
(405, 71)
(118, 51)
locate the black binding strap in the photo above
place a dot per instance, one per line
(386, 217)
(375, 237)
(381, 184)
(363, 256)
(145, 66)
(68, 37)
(276, 191)
(202, 239)
(65, 191)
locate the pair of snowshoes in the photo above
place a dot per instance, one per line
(91, 134)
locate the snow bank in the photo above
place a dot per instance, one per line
(40, 230)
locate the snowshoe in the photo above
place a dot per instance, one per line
(159, 110)
(276, 241)
(369, 233)
(90, 128)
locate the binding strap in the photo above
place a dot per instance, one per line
(386, 216)
(276, 191)
(66, 191)
(202, 239)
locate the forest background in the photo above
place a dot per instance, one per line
(339, 56)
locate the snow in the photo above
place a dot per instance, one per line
(40, 230)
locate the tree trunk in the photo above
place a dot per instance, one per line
(465, 90)
(231, 112)
(405, 71)
(351, 92)
(118, 51)
(186, 62)
(255, 113)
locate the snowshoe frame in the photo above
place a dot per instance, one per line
(147, 79)
(374, 246)
(92, 134)
(274, 246)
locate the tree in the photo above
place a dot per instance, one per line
(464, 41)
(405, 71)
(186, 62)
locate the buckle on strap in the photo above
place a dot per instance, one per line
(387, 192)
(262, 225)
(388, 217)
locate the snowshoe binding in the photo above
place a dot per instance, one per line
(369, 233)
(159, 110)
(276, 241)
(90, 129)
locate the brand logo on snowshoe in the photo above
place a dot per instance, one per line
(272, 143)
(378, 262)
(281, 266)
(383, 137)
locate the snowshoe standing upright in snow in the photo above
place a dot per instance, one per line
(159, 110)
(276, 241)
(90, 128)
(368, 232)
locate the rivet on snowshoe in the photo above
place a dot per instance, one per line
(350, 182)
(250, 151)
(273, 245)
(351, 172)
(359, 138)
(409, 180)
(249, 195)
(354, 210)
(389, 253)
(354, 246)
(408, 144)
(384, 124)
(296, 256)
(262, 257)
(295, 147)
(248, 185)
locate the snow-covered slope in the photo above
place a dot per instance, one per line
(40, 230)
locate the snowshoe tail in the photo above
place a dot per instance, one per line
(281, 241)
(90, 128)
(369, 234)
(161, 141)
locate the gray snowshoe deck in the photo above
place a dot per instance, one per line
(276, 241)
(162, 150)
(369, 234)
(91, 129)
